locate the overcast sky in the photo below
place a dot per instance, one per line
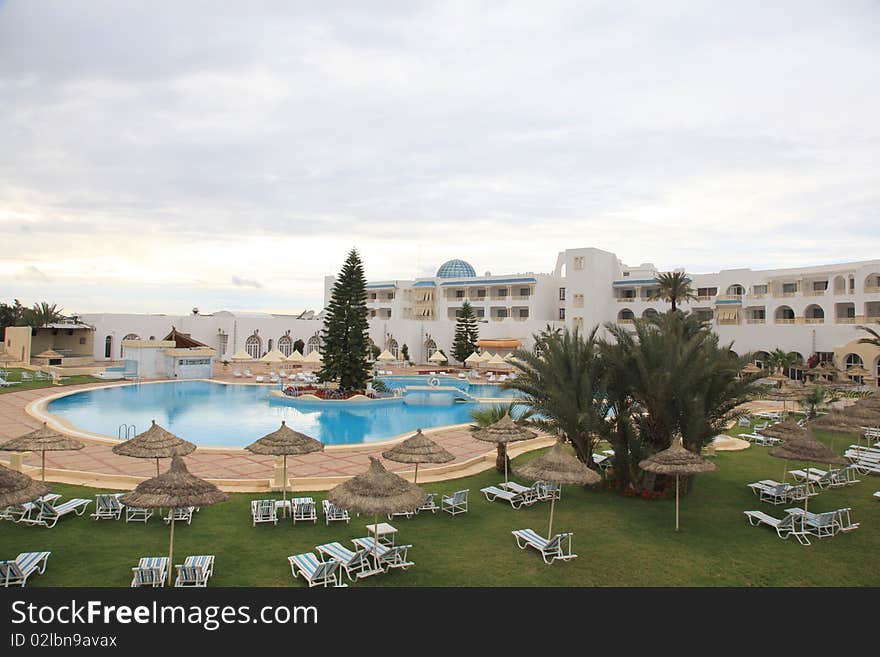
(162, 155)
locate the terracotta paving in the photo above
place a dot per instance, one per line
(97, 456)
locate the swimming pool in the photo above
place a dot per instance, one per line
(482, 390)
(221, 415)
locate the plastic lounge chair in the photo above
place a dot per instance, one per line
(137, 514)
(150, 571)
(205, 561)
(48, 514)
(22, 512)
(790, 525)
(264, 511)
(236, 374)
(455, 503)
(304, 509)
(16, 572)
(333, 513)
(315, 572)
(558, 547)
(390, 556)
(516, 500)
(547, 490)
(25, 376)
(744, 421)
(195, 571)
(430, 504)
(108, 507)
(355, 564)
(181, 514)
(40, 376)
(4, 383)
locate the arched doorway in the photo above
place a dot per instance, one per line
(285, 345)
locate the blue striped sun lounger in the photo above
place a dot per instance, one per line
(356, 564)
(205, 561)
(550, 549)
(315, 572)
(394, 556)
(16, 572)
(150, 571)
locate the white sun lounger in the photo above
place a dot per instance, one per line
(315, 572)
(15, 572)
(455, 503)
(48, 514)
(516, 500)
(108, 506)
(181, 514)
(137, 514)
(558, 547)
(195, 571)
(22, 512)
(264, 511)
(356, 564)
(333, 513)
(304, 509)
(790, 525)
(390, 556)
(150, 571)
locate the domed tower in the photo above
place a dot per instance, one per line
(456, 269)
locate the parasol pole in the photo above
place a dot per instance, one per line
(170, 549)
(552, 509)
(43, 457)
(376, 540)
(676, 502)
(416, 475)
(505, 462)
(157, 466)
(284, 483)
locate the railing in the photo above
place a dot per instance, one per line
(578, 303)
(126, 431)
(705, 298)
(784, 321)
(625, 299)
(814, 293)
(500, 297)
(727, 322)
(872, 289)
(814, 320)
(521, 297)
(845, 320)
(784, 295)
(729, 297)
(498, 319)
(520, 319)
(626, 321)
(756, 320)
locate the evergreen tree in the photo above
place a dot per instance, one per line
(404, 353)
(466, 334)
(345, 343)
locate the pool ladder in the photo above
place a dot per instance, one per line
(126, 431)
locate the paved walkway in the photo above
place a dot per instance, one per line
(233, 464)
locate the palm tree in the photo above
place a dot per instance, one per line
(42, 314)
(874, 339)
(674, 287)
(483, 417)
(815, 398)
(781, 361)
(562, 384)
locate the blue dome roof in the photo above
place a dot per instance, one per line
(456, 269)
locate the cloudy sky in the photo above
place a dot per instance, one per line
(162, 155)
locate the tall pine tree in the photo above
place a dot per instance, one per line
(466, 334)
(345, 339)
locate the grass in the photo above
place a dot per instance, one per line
(15, 375)
(620, 541)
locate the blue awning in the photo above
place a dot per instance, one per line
(425, 284)
(377, 286)
(644, 281)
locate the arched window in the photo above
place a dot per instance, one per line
(872, 282)
(314, 344)
(285, 345)
(253, 345)
(430, 348)
(649, 312)
(736, 290)
(761, 358)
(130, 336)
(796, 370)
(625, 315)
(784, 315)
(853, 360)
(814, 313)
(392, 347)
(108, 346)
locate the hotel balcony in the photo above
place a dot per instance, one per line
(872, 289)
(784, 321)
(627, 299)
(814, 320)
(756, 320)
(814, 293)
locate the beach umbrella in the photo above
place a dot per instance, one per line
(283, 442)
(678, 461)
(49, 353)
(497, 360)
(42, 440)
(241, 354)
(486, 356)
(295, 357)
(805, 448)
(784, 430)
(438, 357)
(858, 371)
(314, 357)
(386, 356)
(473, 359)
(272, 357)
(174, 489)
(502, 432)
(418, 448)
(558, 467)
(377, 491)
(17, 488)
(154, 443)
(751, 368)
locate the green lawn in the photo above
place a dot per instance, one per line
(620, 541)
(15, 375)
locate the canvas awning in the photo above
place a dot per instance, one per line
(499, 344)
(727, 315)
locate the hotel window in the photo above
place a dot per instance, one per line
(789, 288)
(502, 312)
(562, 294)
(459, 294)
(224, 342)
(502, 292)
(481, 294)
(523, 313)
(707, 291)
(372, 296)
(108, 346)
(819, 286)
(562, 313)
(524, 292)
(579, 262)
(759, 289)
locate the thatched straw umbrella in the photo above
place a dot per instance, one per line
(377, 491)
(154, 443)
(175, 489)
(678, 461)
(283, 442)
(783, 430)
(558, 467)
(17, 488)
(42, 440)
(502, 432)
(805, 448)
(437, 357)
(751, 368)
(418, 448)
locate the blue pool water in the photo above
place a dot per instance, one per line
(235, 415)
(484, 390)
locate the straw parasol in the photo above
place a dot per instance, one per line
(241, 354)
(473, 359)
(438, 357)
(418, 448)
(283, 442)
(154, 443)
(377, 491)
(314, 357)
(273, 356)
(386, 356)
(49, 353)
(175, 489)
(295, 357)
(496, 360)
(751, 368)
(678, 461)
(42, 440)
(805, 448)
(18, 488)
(486, 356)
(784, 430)
(558, 467)
(502, 432)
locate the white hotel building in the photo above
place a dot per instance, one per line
(809, 310)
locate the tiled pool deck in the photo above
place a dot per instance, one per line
(234, 469)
